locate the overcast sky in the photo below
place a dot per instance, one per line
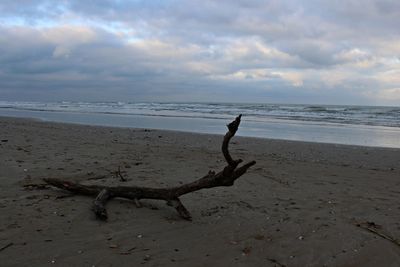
(332, 52)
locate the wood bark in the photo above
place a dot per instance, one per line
(226, 177)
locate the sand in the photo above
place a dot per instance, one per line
(298, 206)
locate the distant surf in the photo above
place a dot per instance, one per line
(358, 115)
(351, 125)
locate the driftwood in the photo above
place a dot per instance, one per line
(226, 177)
(377, 230)
(6, 246)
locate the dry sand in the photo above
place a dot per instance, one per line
(298, 206)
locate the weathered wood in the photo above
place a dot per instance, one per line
(226, 177)
(183, 212)
(377, 230)
(6, 246)
(99, 204)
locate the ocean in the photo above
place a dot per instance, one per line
(377, 126)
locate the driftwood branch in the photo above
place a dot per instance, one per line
(377, 230)
(6, 246)
(226, 177)
(99, 204)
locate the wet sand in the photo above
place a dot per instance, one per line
(298, 206)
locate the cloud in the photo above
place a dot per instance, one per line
(389, 77)
(287, 51)
(389, 96)
(257, 75)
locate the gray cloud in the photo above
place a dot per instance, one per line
(286, 51)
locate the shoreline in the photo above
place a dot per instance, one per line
(198, 133)
(357, 135)
(298, 206)
(261, 139)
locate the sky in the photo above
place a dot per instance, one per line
(327, 52)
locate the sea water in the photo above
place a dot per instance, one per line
(354, 125)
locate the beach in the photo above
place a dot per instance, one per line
(302, 204)
(347, 125)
